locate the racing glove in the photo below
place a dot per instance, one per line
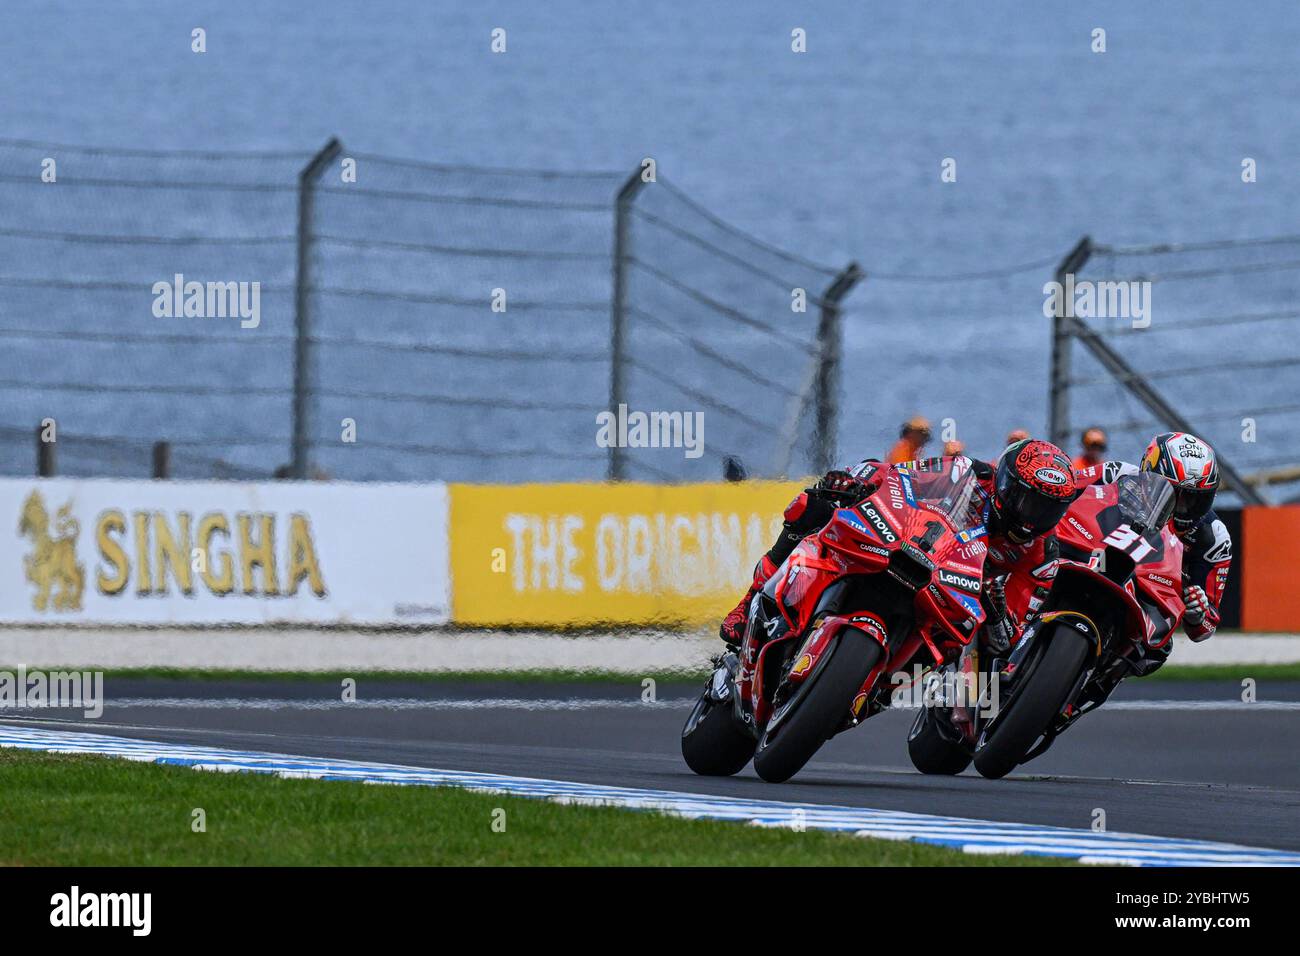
(998, 627)
(1198, 608)
(842, 486)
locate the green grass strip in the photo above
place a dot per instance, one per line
(73, 810)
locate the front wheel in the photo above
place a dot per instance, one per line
(818, 708)
(930, 750)
(1039, 698)
(713, 744)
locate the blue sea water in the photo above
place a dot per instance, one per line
(833, 154)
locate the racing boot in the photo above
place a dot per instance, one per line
(732, 630)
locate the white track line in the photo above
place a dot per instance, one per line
(977, 836)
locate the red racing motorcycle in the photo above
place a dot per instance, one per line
(890, 581)
(1116, 597)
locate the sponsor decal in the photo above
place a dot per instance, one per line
(879, 523)
(867, 623)
(905, 480)
(969, 602)
(874, 549)
(1077, 526)
(1221, 550)
(964, 581)
(1189, 447)
(969, 552)
(854, 522)
(52, 565)
(971, 534)
(918, 555)
(1046, 570)
(218, 553)
(896, 499)
(1160, 579)
(207, 552)
(802, 666)
(1052, 476)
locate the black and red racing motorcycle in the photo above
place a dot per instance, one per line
(889, 582)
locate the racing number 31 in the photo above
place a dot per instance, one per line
(1126, 539)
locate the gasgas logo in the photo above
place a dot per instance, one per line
(1079, 528)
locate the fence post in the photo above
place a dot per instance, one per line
(826, 388)
(301, 304)
(162, 459)
(627, 194)
(44, 454)
(1058, 403)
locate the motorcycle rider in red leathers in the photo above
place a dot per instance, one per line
(1030, 487)
(1191, 467)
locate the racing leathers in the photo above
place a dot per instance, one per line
(1207, 556)
(1017, 576)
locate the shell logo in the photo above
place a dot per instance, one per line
(859, 702)
(802, 666)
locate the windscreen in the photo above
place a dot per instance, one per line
(946, 486)
(1146, 501)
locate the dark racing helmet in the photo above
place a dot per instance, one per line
(1193, 470)
(1032, 489)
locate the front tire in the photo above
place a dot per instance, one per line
(713, 744)
(818, 708)
(1034, 704)
(931, 752)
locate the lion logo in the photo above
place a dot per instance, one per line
(54, 560)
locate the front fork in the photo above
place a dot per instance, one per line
(975, 685)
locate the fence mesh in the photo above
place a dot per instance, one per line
(79, 257)
(459, 318)
(1220, 347)
(406, 343)
(715, 325)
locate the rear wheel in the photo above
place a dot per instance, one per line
(930, 750)
(1039, 698)
(713, 743)
(818, 708)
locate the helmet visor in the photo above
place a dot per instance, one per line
(1192, 504)
(1031, 509)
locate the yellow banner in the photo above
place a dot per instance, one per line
(584, 554)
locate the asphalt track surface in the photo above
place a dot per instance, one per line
(1166, 759)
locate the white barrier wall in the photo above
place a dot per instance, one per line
(181, 552)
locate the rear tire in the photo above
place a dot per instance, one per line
(818, 708)
(1034, 704)
(930, 751)
(712, 742)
